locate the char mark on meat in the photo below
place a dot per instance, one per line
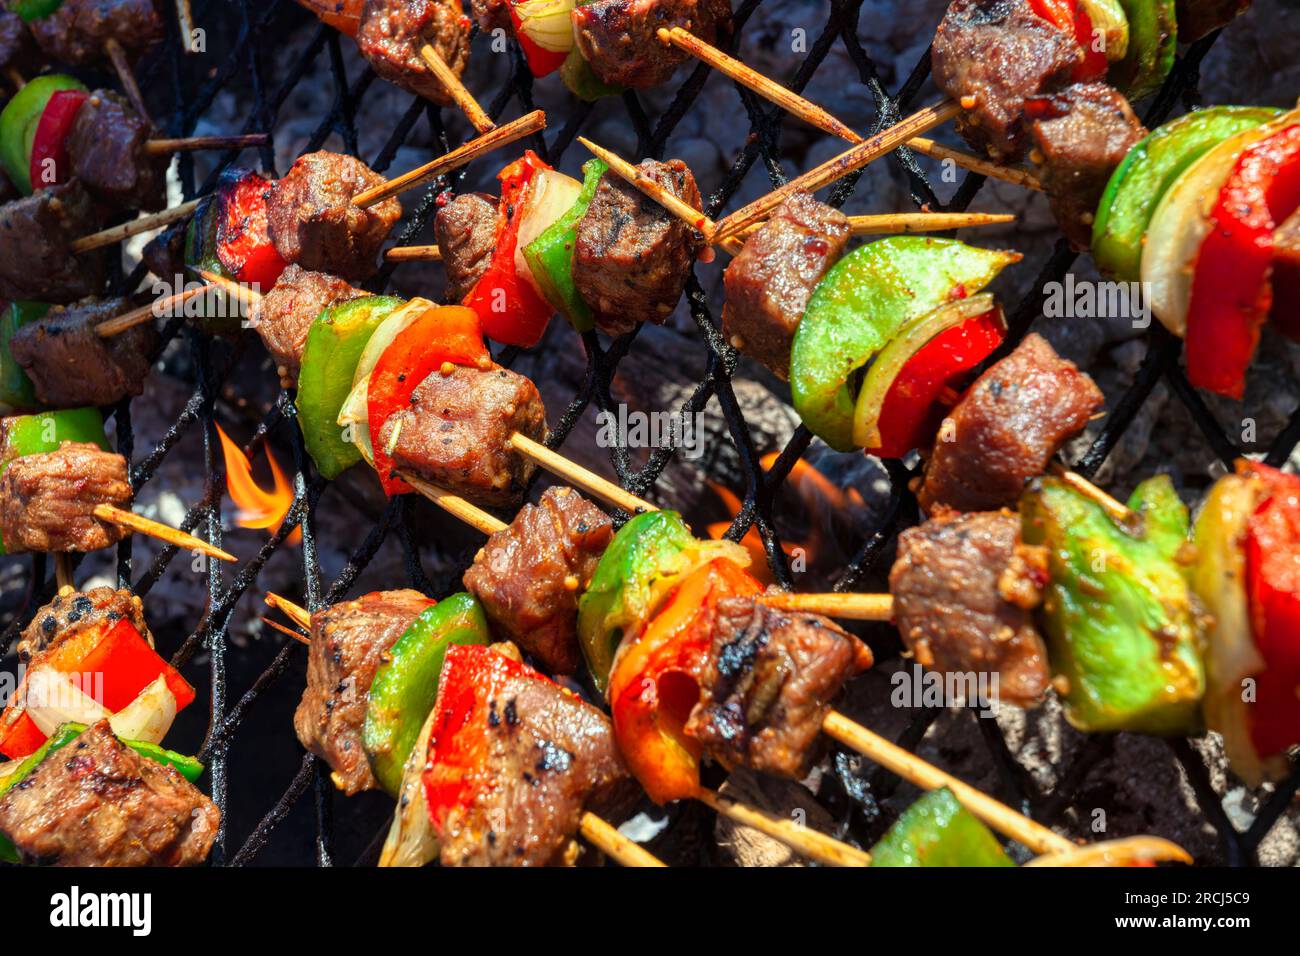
(768, 685)
(392, 32)
(964, 592)
(108, 151)
(48, 500)
(36, 237)
(1007, 428)
(69, 615)
(619, 38)
(530, 575)
(466, 229)
(285, 315)
(769, 284)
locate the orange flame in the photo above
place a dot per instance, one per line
(257, 508)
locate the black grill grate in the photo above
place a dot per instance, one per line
(254, 23)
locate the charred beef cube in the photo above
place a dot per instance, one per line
(492, 15)
(1286, 276)
(393, 31)
(71, 614)
(549, 756)
(108, 151)
(1007, 428)
(96, 802)
(467, 236)
(632, 257)
(47, 502)
(71, 366)
(17, 51)
(1196, 18)
(348, 643)
(989, 56)
(768, 685)
(770, 282)
(77, 33)
(164, 254)
(964, 592)
(36, 236)
(457, 431)
(1080, 136)
(530, 575)
(619, 38)
(285, 315)
(314, 224)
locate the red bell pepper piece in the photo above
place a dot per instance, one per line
(508, 306)
(50, 165)
(449, 333)
(1074, 20)
(655, 681)
(1231, 288)
(244, 244)
(20, 736)
(541, 61)
(926, 387)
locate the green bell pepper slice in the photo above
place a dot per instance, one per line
(16, 392)
(335, 342)
(581, 80)
(406, 684)
(190, 768)
(938, 831)
(201, 253)
(1121, 625)
(18, 123)
(1152, 45)
(1145, 175)
(857, 308)
(29, 10)
(550, 255)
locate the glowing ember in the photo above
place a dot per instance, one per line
(256, 508)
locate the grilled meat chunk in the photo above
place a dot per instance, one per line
(108, 151)
(77, 33)
(164, 254)
(96, 802)
(393, 31)
(632, 257)
(36, 236)
(284, 316)
(348, 643)
(467, 236)
(47, 501)
(71, 614)
(548, 757)
(314, 224)
(768, 685)
(456, 433)
(1006, 429)
(996, 53)
(619, 38)
(1080, 136)
(1196, 18)
(17, 51)
(964, 591)
(492, 15)
(530, 575)
(71, 366)
(770, 282)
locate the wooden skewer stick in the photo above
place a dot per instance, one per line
(414, 254)
(14, 77)
(815, 116)
(467, 512)
(191, 144)
(846, 607)
(1125, 852)
(811, 843)
(600, 834)
(156, 529)
(146, 313)
(285, 630)
(185, 20)
(463, 97)
(1119, 512)
(500, 136)
(63, 572)
(122, 66)
(135, 227)
(913, 222)
(575, 474)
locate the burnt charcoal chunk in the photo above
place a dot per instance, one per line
(71, 366)
(997, 53)
(1080, 136)
(467, 235)
(314, 224)
(964, 591)
(1007, 428)
(108, 152)
(1196, 18)
(393, 31)
(36, 236)
(769, 682)
(96, 802)
(78, 32)
(530, 575)
(456, 434)
(285, 315)
(17, 51)
(348, 643)
(619, 38)
(632, 257)
(47, 501)
(71, 614)
(770, 282)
